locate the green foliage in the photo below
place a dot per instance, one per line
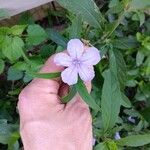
(111, 100)
(8, 133)
(76, 28)
(118, 66)
(44, 75)
(134, 140)
(14, 74)
(17, 29)
(2, 65)
(138, 4)
(119, 101)
(36, 35)
(12, 47)
(82, 90)
(56, 37)
(86, 8)
(101, 146)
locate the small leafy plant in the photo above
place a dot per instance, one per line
(119, 100)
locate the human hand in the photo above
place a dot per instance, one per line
(48, 124)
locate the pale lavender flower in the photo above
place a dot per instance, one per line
(78, 60)
(131, 119)
(117, 136)
(94, 141)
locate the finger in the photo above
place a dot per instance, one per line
(48, 85)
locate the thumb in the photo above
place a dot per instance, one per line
(38, 88)
(48, 85)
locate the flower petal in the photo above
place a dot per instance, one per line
(62, 59)
(70, 75)
(86, 73)
(75, 48)
(91, 56)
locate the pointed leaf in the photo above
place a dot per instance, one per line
(111, 100)
(12, 47)
(56, 37)
(118, 66)
(36, 34)
(76, 28)
(82, 90)
(18, 29)
(138, 4)
(101, 146)
(134, 140)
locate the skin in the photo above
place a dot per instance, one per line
(46, 123)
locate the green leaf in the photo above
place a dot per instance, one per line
(75, 28)
(4, 31)
(146, 42)
(2, 65)
(125, 101)
(47, 50)
(112, 145)
(139, 37)
(17, 29)
(113, 3)
(86, 8)
(145, 88)
(148, 66)
(13, 141)
(131, 83)
(6, 131)
(20, 65)
(13, 146)
(12, 47)
(139, 4)
(134, 140)
(118, 66)
(44, 75)
(139, 16)
(56, 37)
(146, 113)
(101, 146)
(82, 90)
(71, 94)
(139, 58)
(14, 74)
(36, 34)
(125, 43)
(26, 18)
(27, 78)
(116, 9)
(110, 101)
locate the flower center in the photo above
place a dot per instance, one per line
(76, 62)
